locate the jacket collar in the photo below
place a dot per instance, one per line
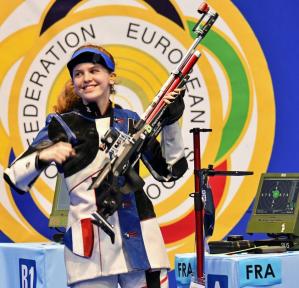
(91, 110)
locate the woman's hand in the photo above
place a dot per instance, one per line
(170, 97)
(175, 106)
(58, 153)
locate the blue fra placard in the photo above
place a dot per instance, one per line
(260, 272)
(185, 267)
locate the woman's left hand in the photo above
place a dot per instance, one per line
(170, 97)
(175, 106)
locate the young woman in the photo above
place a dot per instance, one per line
(72, 139)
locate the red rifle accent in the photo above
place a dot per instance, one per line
(188, 66)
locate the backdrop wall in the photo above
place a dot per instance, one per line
(243, 88)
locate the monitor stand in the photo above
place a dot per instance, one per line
(290, 241)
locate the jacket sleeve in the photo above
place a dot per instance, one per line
(24, 170)
(167, 161)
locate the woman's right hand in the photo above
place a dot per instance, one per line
(58, 153)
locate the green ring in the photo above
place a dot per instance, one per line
(239, 86)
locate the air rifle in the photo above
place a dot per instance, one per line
(123, 150)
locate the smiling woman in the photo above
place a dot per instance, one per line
(136, 257)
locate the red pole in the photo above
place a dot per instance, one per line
(199, 237)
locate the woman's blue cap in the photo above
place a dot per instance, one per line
(90, 55)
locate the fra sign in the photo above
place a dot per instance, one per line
(260, 272)
(185, 268)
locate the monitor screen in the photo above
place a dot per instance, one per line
(278, 195)
(276, 205)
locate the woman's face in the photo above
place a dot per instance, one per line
(92, 82)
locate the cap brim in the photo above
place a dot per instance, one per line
(90, 57)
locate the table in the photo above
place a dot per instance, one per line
(41, 265)
(279, 270)
(32, 265)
